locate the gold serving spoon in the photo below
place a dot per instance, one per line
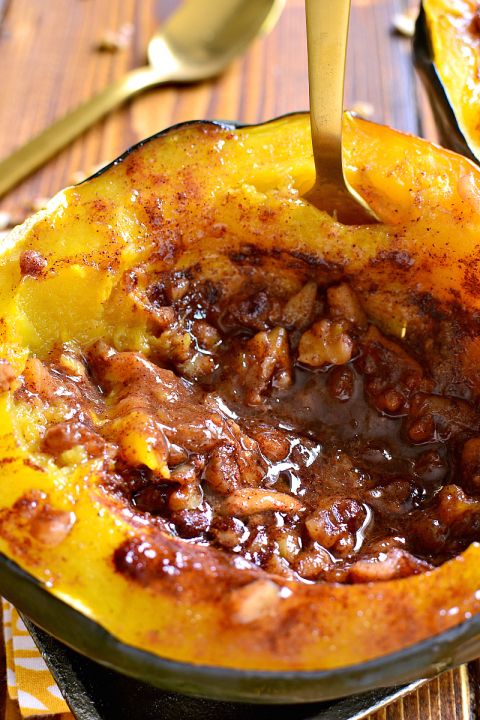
(197, 42)
(327, 32)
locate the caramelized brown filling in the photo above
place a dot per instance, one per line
(288, 430)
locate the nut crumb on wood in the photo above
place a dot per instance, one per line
(114, 40)
(404, 23)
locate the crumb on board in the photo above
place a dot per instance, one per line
(114, 40)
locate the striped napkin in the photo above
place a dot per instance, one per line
(31, 688)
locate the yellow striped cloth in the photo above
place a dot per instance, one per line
(31, 687)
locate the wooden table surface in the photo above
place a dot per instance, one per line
(49, 63)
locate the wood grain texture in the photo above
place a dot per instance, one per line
(48, 64)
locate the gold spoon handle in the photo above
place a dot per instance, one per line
(327, 31)
(41, 148)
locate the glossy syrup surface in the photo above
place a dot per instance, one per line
(287, 430)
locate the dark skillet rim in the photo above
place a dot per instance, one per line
(85, 635)
(423, 659)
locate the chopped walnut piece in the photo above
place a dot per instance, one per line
(289, 545)
(334, 524)
(176, 455)
(49, 386)
(207, 336)
(229, 532)
(250, 463)
(72, 365)
(197, 366)
(67, 435)
(234, 463)
(253, 601)
(298, 312)
(266, 361)
(186, 497)
(344, 305)
(325, 343)
(392, 353)
(161, 317)
(312, 562)
(454, 504)
(175, 345)
(194, 523)
(185, 474)
(392, 376)
(7, 376)
(439, 417)
(222, 473)
(394, 563)
(273, 443)
(248, 501)
(258, 311)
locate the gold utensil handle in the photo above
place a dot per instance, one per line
(327, 30)
(41, 148)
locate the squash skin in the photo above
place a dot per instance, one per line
(413, 187)
(446, 54)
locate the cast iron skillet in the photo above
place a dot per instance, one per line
(425, 659)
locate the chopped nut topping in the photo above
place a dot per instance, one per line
(278, 424)
(325, 343)
(114, 40)
(254, 500)
(7, 376)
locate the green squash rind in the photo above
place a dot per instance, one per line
(450, 135)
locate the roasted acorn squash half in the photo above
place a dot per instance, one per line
(218, 203)
(446, 50)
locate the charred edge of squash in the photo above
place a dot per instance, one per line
(449, 132)
(427, 658)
